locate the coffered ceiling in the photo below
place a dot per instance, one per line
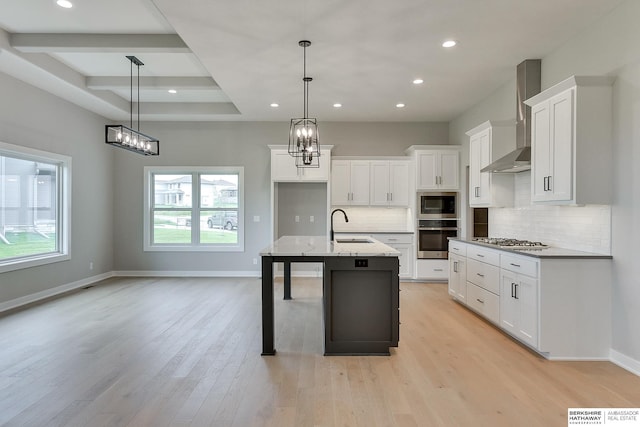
(231, 59)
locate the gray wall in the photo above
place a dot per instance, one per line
(609, 47)
(32, 118)
(236, 144)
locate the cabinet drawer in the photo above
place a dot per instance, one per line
(391, 239)
(457, 248)
(485, 255)
(526, 266)
(484, 275)
(432, 269)
(483, 302)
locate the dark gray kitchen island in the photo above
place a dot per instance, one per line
(360, 292)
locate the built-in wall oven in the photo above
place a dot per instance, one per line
(437, 221)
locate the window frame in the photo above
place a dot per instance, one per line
(63, 208)
(195, 209)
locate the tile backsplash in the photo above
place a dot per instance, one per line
(583, 228)
(369, 219)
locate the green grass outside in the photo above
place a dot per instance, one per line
(25, 244)
(183, 235)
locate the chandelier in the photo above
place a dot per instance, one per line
(303, 132)
(125, 136)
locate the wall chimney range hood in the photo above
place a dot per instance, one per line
(527, 85)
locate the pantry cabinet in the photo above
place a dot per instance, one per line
(350, 182)
(389, 183)
(571, 142)
(487, 143)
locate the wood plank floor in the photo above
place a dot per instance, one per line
(186, 352)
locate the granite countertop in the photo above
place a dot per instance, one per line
(321, 246)
(375, 232)
(547, 252)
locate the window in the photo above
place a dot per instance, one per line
(34, 207)
(194, 209)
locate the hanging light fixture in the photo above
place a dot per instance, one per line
(126, 137)
(303, 132)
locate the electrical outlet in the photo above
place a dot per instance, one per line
(297, 218)
(256, 218)
(91, 265)
(255, 261)
(311, 218)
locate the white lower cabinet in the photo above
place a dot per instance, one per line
(560, 307)
(519, 306)
(432, 269)
(458, 277)
(483, 302)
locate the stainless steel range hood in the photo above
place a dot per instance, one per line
(527, 85)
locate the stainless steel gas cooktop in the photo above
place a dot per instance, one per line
(511, 243)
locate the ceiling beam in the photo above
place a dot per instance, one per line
(185, 108)
(86, 43)
(178, 83)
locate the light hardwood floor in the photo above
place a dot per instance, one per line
(186, 352)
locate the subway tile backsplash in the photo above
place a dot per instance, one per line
(583, 228)
(370, 219)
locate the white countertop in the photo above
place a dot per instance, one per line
(321, 246)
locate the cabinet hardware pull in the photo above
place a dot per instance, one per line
(549, 182)
(512, 295)
(479, 300)
(391, 195)
(455, 266)
(437, 269)
(516, 291)
(544, 184)
(480, 255)
(515, 265)
(481, 275)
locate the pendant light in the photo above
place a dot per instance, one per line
(126, 137)
(303, 132)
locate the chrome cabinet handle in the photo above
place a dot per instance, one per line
(437, 269)
(479, 300)
(481, 275)
(515, 265)
(455, 266)
(480, 255)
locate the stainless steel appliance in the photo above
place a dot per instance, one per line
(433, 237)
(437, 205)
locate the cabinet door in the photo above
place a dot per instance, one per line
(560, 182)
(380, 193)
(474, 171)
(406, 257)
(340, 182)
(283, 167)
(449, 170)
(508, 303)
(457, 277)
(321, 173)
(484, 196)
(541, 151)
(359, 182)
(399, 183)
(527, 296)
(428, 170)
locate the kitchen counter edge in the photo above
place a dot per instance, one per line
(550, 252)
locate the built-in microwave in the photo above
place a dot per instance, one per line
(437, 205)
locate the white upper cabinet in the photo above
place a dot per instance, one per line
(390, 182)
(350, 182)
(488, 142)
(437, 169)
(284, 169)
(571, 142)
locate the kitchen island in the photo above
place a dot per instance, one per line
(360, 291)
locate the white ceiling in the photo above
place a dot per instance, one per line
(230, 59)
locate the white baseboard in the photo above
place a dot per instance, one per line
(625, 362)
(180, 273)
(28, 299)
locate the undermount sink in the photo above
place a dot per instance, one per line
(354, 240)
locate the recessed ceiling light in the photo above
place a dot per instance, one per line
(172, 91)
(418, 81)
(400, 105)
(274, 105)
(449, 43)
(64, 3)
(337, 105)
